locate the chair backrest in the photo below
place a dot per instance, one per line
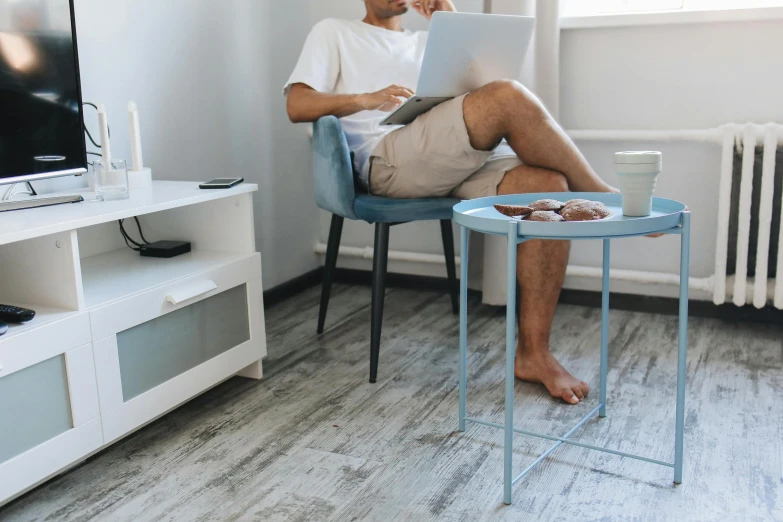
(332, 168)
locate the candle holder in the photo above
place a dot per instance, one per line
(111, 180)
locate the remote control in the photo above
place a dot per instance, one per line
(3, 327)
(15, 314)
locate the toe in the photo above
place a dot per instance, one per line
(585, 388)
(577, 390)
(568, 396)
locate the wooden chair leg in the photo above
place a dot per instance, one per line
(379, 266)
(451, 269)
(332, 248)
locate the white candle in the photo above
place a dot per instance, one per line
(103, 124)
(135, 137)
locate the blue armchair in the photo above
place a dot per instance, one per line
(335, 192)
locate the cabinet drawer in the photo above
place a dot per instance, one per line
(38, 343)
(150, 304)
(150, 368)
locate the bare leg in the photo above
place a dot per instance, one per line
(506, 109)
(541, 269)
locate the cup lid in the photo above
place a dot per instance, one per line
(636, 157)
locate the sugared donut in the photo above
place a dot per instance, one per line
(545, 215)
(585, 211)
(547, 204)
(575, 201)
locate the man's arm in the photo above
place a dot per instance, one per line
(305, 104)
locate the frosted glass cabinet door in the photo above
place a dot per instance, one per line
(156, 351)
(48, 418)
(34, 407)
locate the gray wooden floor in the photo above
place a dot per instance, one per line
(315, 441)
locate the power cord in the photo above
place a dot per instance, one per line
(11, 191)
(129, 240)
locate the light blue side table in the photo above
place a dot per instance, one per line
(668, 217)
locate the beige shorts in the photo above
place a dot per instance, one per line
(432, 157)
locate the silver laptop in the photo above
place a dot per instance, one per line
(466, 51)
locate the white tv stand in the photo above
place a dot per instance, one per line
(119, 340)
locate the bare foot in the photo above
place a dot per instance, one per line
(542, 367)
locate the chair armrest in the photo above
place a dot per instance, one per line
(332, 168)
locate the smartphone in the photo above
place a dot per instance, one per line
(221, 183)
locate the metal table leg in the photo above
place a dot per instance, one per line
(511, 321)
(511, 348)
(604, 328)
(682, 348)
(463, 326)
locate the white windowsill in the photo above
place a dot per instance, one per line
(672, 17)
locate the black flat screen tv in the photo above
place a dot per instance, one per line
(41, 114)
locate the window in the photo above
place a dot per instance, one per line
(588, 7)
(573, 8)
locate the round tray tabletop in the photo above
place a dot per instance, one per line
(480, 215)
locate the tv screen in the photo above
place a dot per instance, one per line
(41, 133)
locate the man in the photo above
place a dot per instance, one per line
(498, 139)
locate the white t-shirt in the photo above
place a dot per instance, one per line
(353, 57)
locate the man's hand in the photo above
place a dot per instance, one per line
(426, 7)
(385, 100)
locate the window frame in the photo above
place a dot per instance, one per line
(693, 11)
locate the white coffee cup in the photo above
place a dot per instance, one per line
(637, 174)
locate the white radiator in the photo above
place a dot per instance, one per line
(743, 138)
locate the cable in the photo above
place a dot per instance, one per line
(126, 235)
(8, 193)
(11, 191)
(140, 232)
(129, 240)
(90, 137)
(129, 245)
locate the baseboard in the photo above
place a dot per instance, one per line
(671, 306)
(351, 276)
(292, 287)
(618, 301)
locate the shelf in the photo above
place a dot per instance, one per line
(162, 195)
(44, 316)
(122, 273)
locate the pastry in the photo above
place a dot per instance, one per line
(545, 215)
(585, 211)
(547, 204)
(574, 202)
(513, 210)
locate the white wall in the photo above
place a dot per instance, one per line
(650, 77)
(669, 77)
(207, 77)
